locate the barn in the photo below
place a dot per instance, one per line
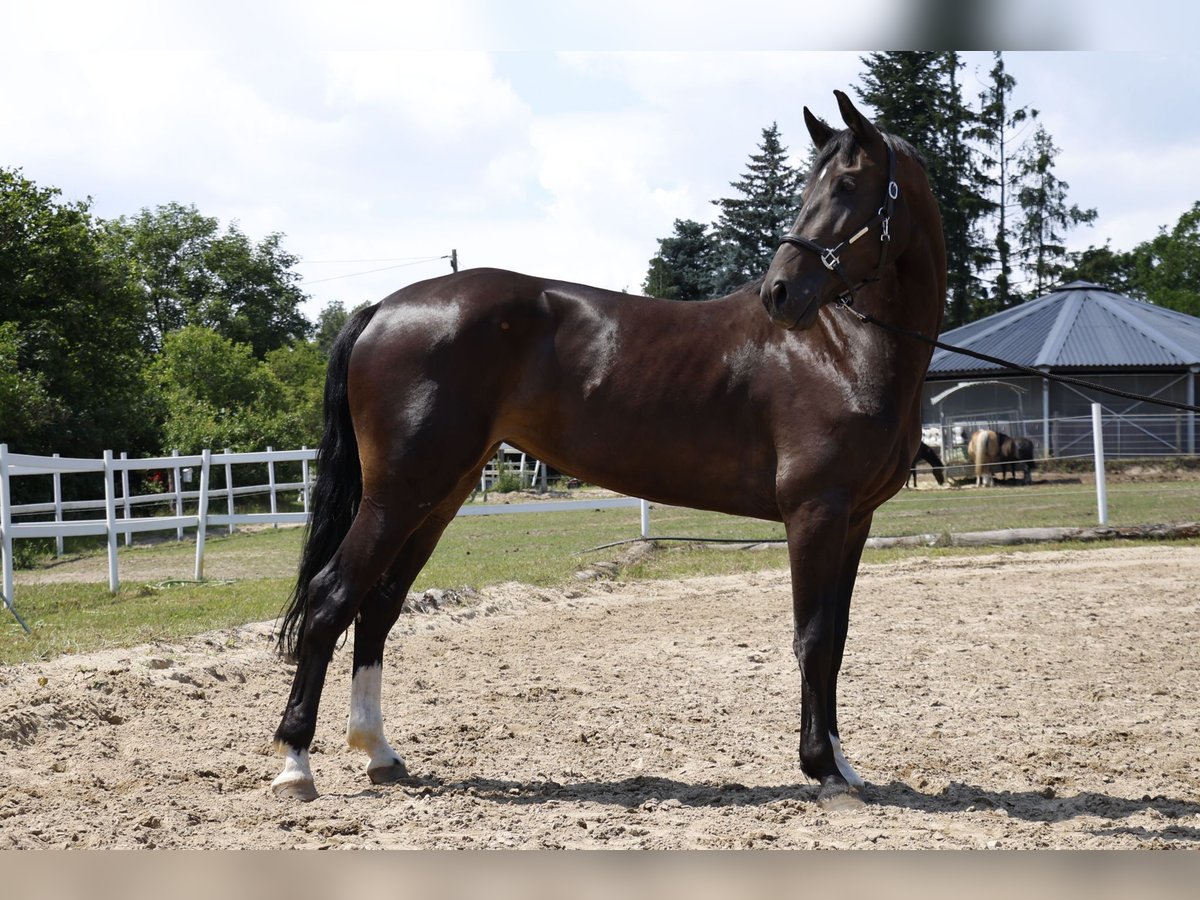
(1085, 331)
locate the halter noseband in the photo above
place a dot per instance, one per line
(829, 255)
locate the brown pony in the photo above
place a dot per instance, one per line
(771, 402)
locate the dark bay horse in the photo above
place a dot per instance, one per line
(771, 402)
(927, 454)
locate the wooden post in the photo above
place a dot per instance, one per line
(6, 548)
(304, 480)
(202, 512)
(178, 496)
(58, 510)
(125, 498)
(229, 489)
(110, 520)
(271, 482)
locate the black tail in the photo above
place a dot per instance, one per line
(338, 489)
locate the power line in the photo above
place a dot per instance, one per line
(415, 262)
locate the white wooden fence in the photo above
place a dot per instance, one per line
(116, 509)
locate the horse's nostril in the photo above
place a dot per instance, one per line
(778, 292)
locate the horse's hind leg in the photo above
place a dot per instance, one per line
(334, 600)
(379, 612)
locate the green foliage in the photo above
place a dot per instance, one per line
(25, 404)
(1045, 214)
(1106, 267)
(78, 326)
(190, 274)
(300, 372)
(917, 95)
(215, 394)
(1168, 266)
(750, 223)
(330, 323)
(684, 267)
(997, 130)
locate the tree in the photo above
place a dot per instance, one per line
(77, 325)
(1045, 214)
(214, 393)
(1106, 267)
(300, 372)
(684, 268)
(190, 274)
(917, 96)
(25, 404)
(1168, 266)
(750, 224)
(330, 322)
(997, 127)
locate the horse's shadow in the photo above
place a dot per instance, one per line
(649, 791)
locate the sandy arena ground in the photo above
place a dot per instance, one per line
(1021, 699)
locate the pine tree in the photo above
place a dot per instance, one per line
(685, 266)
(916, 95)
(997, 130)
(750, 224)
(1046, 217)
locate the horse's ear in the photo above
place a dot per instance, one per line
(818, 128)
(864, 129)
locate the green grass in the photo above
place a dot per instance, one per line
(538, 549)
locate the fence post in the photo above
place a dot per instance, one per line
(6, 548)
(645, 509)
(229, 490)
(202, 512)
(110, 520)
(1098, 449)
(304, 479)
(271, 482)
(125, 498)
(7, 564)
(58, 510)
(178, 496)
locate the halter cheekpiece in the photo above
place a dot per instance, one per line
(829, 255)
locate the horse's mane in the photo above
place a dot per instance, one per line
(845, 144)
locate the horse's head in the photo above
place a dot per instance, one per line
(853, 223)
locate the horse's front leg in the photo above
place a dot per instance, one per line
(817, 531)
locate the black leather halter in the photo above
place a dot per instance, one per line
(829, 255)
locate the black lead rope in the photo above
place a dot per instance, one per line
(1008, 364)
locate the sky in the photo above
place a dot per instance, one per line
(545, 137)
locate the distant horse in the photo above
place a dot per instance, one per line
(772, 402)
(1016, 451)
(927, 454)
(984, 451)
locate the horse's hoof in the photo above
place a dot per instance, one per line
(389, 774)
(840, 798)
(303, 789)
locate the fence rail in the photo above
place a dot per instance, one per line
(1102, 431)
(117, 507)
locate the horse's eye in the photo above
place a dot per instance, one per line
(845, 183)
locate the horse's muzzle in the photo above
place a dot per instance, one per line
(781, 305)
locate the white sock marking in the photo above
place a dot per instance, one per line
(295, 767)
(364, 731)
(852, 778)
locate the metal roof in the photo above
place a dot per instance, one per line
(1078, 326)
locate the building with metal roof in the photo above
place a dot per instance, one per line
(1086, 331)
